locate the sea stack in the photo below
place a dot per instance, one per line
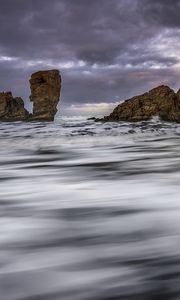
(45, 93)
(160, 101)
(12, 109)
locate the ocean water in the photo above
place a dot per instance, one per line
(89, 211)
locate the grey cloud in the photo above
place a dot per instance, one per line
(161, 12)
(116, 40)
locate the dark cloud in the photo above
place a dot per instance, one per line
(106, 49)
(161, 12)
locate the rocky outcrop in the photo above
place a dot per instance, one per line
(45, 92)
(12, 109)
(160, 101)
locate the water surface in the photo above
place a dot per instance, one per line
(89, 210)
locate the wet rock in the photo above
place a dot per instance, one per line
(45, 93)
(12, 109)
(91, 119)
(160, 101)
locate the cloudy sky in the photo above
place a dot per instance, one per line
(106, 50)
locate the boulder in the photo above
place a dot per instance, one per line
(12, 109)
(160, 101)
(45, 93)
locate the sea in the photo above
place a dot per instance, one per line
(89, 210)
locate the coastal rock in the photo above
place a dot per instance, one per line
(12, 109)
(45, 93)
(160, 101)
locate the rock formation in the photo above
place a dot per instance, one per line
(45, 92)
(161, 101)
(12, 109)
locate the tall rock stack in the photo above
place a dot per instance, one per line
(45, 93)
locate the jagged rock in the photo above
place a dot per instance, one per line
(12, 109)
(45, 92)
(160, 101)
(91, 119)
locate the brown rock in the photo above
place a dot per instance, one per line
(45, 92)
(161, 101)
(12, 109)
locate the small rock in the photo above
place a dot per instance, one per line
(12, 109)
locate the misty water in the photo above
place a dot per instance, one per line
(89, 211)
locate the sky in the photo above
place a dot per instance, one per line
(106, 50)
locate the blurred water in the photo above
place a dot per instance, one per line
(89, 210)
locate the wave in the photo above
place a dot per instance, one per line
(89, 210)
